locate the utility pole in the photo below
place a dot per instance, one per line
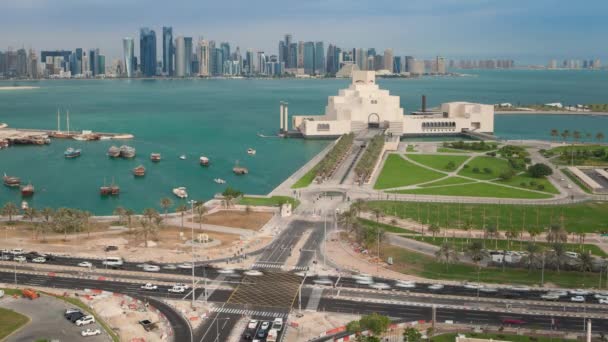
(324, 237)
(542, 273)
(434, 318)
(192, 202)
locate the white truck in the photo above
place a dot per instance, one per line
(272, 335)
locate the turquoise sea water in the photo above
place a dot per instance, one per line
(220, 119)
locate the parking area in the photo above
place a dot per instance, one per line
(263, 329)
(48, 321)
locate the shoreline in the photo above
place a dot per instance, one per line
(555, 112)
(19, 88)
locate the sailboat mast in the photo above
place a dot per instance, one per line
(67, 119)
(58, 121)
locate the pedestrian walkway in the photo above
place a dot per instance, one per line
(315, 298)
(245, 312)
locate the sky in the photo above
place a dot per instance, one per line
(529, 31)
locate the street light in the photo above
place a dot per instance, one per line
(217, 327)
(192, 202)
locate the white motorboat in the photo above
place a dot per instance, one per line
(24, 205)
(180, 192)
(250, 151)
(219, 181)
(182, 157)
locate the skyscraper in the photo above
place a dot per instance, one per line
(128, 56)
(282, 51)
(319, 59)
(300, 58)
(218, 62)
(409, 63)
(168, 51)
(292, 56)
(388, 60)
(183, 56)
(21, 63)
(203, 53)
(93, 62)
(397, 64)
(147, 51)
(361, 58)
(288, 53)
(309, 58)
(332, 59)
(188, 55)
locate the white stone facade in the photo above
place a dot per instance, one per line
(363, 104)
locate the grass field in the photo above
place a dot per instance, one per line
(589, 217)
(400, 172)
(497, 166)
(461, 244)
(526, 178)
(306, 180)
(448, 181)
(270, 201)
(438, 162)
(413, 263)
(385, 227)
(501, 337)
(10, 321)
(475, 190)
(453, 150)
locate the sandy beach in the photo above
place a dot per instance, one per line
(18, 88)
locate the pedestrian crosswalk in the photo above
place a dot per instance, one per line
(300, 268)
(244, 312)
(265, 265)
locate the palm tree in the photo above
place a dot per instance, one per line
(554, 133)
(576, 136)
(434, 229)
(533, 232)
(565, 134)
(468, 225)
(47, 215)
(581, 238)
(559, 254)
(182, 209)
(378, 214)
(146, 229)
(166, 203)
(346, 219)
(585, 262)
(510, 235)
(492, 232)
(476, 252)
(599, 136)
(31, 214)
(446, 254)
(359, 206)
(588, 136)
(68, 220)
(557, 233)
(248, 208)
(120, 212)
(129, 215)
(200, 210)
(10, 209)
(85, 216)
(534, 253)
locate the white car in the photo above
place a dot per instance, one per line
(90, 332)
(380, 286)
(252, 324)
(550, 296)
(436, 287)
(367, 281)
(17, 251)
(577, 299)
(265, 325)
(149, 286)
(405, 284)
(362, 276)
(323, 281)
(85, 320)
(170, 267)
(177, 289)
(182, 285)
(85, 264)
(601, 296)
(254, 273)
(579, 292)
(185, 265)
(39, 260)
(560, 293)
(225, 270)
(20, 258)
(603, 300)
(488, 289)
(520, 288)
(472, 286)
(151, 268)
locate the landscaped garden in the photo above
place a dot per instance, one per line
(10, 321)
(484, 168)
(439, 162)
(475, 190)
(398, 172)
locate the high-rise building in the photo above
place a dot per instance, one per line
(282, 51)
(309, 58)
(319, 59)
(21, 63)
(203, 53)
(76, 62)
(409, 63)
(377, 62)
(2, 63)
(289, 53)
(439, 66)
(388, 60)
(397, 67)
(332, 59)
(218, 62)
(300, 59)
(292, 56)
(183, 56)
(32, 64)
(128, 56)
(249, 62)
(260, 63)
(361, 58)
(92, 62)
(188, 55)
(168, 51)
(101, 64)
(147, 51)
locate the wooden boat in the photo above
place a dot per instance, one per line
(219, 181)
(139, 171)
(27, 190)
(114, 152)
(71, 153)
(204, 161)
(155, 157)
(11, 181)
(24, 205)
(239, 170)
(180, 192)
(114, 190)
(251, 151)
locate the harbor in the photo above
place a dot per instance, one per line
(26, 136)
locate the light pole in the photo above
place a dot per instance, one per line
(192, 202)
(217, 327)
(324, 236)
(300, 293)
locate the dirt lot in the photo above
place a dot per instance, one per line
(238, 219)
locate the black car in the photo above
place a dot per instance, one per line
(75, 316)
(262, 333)
(248, 335)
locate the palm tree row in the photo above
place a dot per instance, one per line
(333, 158)
(576, 135)
(365, 165)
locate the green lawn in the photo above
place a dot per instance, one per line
(572, 151)
(410, 148)
(10, 321)
(448, 181)
(438, 162)
(409, 262)
(269, 201)
(497, 166)
(526, 178)
(589, 217)
(451, 337)
(461, 243)
(400, 172)
(386, 227)
(306, 180)
(453, 150)
(475, 190)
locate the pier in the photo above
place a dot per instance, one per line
(24, 136)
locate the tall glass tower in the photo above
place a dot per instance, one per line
(309, 58)
(128, 57)
(168, 51)
(319, 59)
(147, 51)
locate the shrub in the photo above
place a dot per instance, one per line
(523, 184)
(491, 154)
(540, 170)
(476, 170)
(540, 187)
(451, 165)
(507, 174)
(466, 166)
(487, 170)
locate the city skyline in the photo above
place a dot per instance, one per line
(440, 27)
